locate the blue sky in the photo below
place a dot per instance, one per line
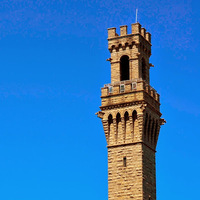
(52, 66)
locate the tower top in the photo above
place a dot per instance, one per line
(130, 53)
(136, 29)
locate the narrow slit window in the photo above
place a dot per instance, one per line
(122, 88)
(134, 86)
(124, 161)
(110, 89)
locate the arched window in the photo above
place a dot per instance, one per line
(118, 119)
(126, 118)
(134, 123)
(144, 73)
(145, 126)
(152, 131)
(149, 126)
(134, 116)
(110, 121)
(124, 68)
(155, 133)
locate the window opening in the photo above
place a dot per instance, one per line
(118, 119)
(124, 68)
(122, 88)
(110, 119)
(126, 118)
(124, 162)
(110, 89)
(134, 85)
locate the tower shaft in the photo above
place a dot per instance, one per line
(130, 113)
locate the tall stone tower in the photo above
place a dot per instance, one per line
(130, 113)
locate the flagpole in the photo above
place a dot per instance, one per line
(136, 18)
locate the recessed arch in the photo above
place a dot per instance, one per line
(155, 133)
(145, 126)
(126, 119)
(120, 46)
(126, 116)
(152, 130)
(113, 46)
(134, 123)
(124, 68)
(118, 117)
(134, 115)
(119, 129)
(149, 126)
(110, 119)
(110, 129)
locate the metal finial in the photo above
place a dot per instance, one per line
(136, 18)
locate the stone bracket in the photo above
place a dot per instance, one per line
(100, 114)
(162, 121)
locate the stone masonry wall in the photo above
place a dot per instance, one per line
(137, 179)
(125, 182)
(149, 174)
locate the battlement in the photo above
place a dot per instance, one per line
(136, 29)
(134, 90)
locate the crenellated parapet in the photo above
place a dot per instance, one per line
(129, 92)
(136, 29)
(138, 38)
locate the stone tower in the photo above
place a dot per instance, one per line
(130, 113)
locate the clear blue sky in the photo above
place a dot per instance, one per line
(52, 66)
